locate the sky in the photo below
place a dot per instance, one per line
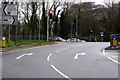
(99, 1)
(96, 1)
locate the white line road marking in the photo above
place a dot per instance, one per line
(60, 72)
(104, 52)
(110, 58)
(48, 58)
(76, 56)
(113, 60)
(29, 54)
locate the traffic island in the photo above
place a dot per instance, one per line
(113, 48)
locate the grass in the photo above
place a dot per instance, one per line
(24, 42)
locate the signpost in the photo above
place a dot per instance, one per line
(0, 25)
(101, 34)
(10, 16)
(1, 33)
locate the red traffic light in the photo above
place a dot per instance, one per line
(91, 30)
(50, 11)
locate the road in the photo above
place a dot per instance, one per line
(69, 60)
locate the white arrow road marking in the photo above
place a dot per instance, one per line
(29, 54)
(60, 72)
(48, 58)
(76, 56)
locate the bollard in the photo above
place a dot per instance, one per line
(3, 42)
(115, 41)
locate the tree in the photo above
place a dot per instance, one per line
(44, 20)
(31, 19)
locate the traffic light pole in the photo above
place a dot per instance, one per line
(47, 21)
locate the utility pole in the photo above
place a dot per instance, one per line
(39, 20)
(76, 26)
(1, 29)
(47, 21)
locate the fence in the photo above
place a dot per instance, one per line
(26, 37)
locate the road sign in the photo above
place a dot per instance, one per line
(10, 14)
(115, 41)
(9, 20)
(115, 38)
(101, 32)
(10, 9)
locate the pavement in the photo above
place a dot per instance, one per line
(66, 60)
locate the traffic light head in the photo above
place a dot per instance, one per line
(91, 31)
(50, 14)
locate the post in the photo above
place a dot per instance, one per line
(1, 29)
(17, 25)
(39, 21)
(76, 27)
(47, 21)
(8, 33)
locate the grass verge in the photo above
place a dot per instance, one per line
(25, 42)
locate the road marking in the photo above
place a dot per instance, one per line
(76, 56)
(60, 72)
(104, 52)
(110, 58)
(113, 60)
(29, 54)
(48, 58)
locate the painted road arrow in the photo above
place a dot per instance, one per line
(76, 56)
(8, 20)
(29, 54)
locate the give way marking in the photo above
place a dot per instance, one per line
(29, 54)
(76, 56)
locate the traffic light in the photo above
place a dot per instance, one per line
(50, 14)
(91, 31)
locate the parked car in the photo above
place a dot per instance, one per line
(73, 39)
(82, 41)
(57, 39)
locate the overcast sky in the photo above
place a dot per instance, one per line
(98, 1)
